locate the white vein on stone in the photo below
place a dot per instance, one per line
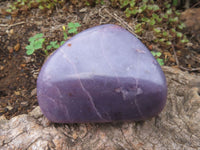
(91, 100)
(60, 105)
(83, 88)
(135, 101)
(58, 91)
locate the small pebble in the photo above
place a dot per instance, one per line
(24, 103)
(17, 47)
(17, 93)
(9, 107)
(22, 65)
(27, 59)
(1, 68)
(11, 31)
(2, 118)
(33, 92)
(10, 49)
(83, 10)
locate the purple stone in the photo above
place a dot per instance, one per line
(102, 74)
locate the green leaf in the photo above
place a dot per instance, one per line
(37, 36)
(184, 41)
(165, 33)
(145, 19)
(169, 43)
(161, 40)
(175, 19)
(144, 7)
(153, 53)
(138, 30)
(132, 4)
(155, 7)
(128, 15)
(160, 61)
(175, 2)
(157, 30)
(70, 25)
(173, 30)
(65, 35)
(139, 10)
(41, 7)
(56, 46)
(167, 5)
(165, 16)
(28, 47)
(169, 11)
(41, 40)
(138, 25)
(49, 47)
(62, 42)
(38, 43)
(31, 39)
(124, 3)
(87, 3)
(152, 22)
(30, 51)
(179, 34)
(73, 27)
(23, 3)
(155, 16)
(77, 25)
(158, 54)
(73, 30)
(181, 26)
(144, 1)
(9, 10)
(46, 52)
(159, 19)
(134, 12)
(149, 7)
(53, 43)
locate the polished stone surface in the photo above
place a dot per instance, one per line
(102, 74)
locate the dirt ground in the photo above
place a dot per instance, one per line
(18, 71)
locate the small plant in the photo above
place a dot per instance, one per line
(24, 5)
(160, 18)
(36, 42)
(72, 27)
(157, 55)
(53, 44)
(64, 33)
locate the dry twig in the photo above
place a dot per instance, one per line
(12, 25)
(121, 21)
(181, 67)
(177, 62)
(189, 69)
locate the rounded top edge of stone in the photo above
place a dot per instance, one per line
(99, 28)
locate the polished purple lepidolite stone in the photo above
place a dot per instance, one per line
(102, 74)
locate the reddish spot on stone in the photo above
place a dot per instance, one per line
(69, 44)
(70, 94)
(140, 51)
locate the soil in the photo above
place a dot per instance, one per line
(18, 71)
